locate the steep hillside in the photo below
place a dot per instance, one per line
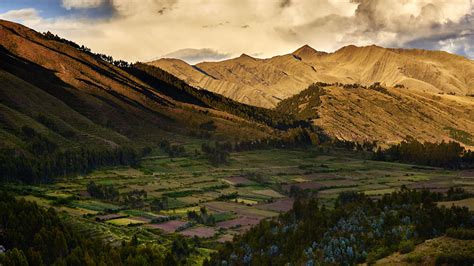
(245, 79)
(60, 103)
(197, 77)
(264, 82)
(171, 86)
(384, 114)
(99, 92)
(428, 71)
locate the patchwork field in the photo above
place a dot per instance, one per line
(187, 196)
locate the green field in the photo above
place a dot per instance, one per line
(189, 183)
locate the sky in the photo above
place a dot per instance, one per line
(210, 30)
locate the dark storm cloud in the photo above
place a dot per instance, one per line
(432, 27)
(458, 37)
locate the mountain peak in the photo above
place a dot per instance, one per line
(306, 48)
(306, 51)
(246, 57)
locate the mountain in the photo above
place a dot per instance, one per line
(425, 94)
(249, 80)
(59, 102)
(386, 115)
(265, 82)
(58, 96)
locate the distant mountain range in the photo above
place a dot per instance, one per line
(427, 95)
(265, 82)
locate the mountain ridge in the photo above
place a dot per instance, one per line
(120, 102)
(422, 70)
(417, 87)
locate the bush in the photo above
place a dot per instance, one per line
(461, 233)
(414, 258)
(406, 246)
(377, 254)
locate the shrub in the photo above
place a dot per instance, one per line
(406, 246)
(414, 258)
(377, 254)
(461, 233)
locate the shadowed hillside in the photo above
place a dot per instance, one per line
(60, 103)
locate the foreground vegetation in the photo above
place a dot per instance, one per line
(36, 236)
(177, 193)
(357, 230)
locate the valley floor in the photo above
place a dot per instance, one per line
(255, 185)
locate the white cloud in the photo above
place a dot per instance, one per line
(79, 4)
(26, 15)
(194, 56)
(145, 29)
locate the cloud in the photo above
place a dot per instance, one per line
(376, 21)
(434, 24)
(26, 15)
(285, 3)
(143, 29)
(193, 56)
(81, 4)
(427, 24)
(143, 8)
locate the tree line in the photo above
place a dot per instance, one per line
(219, 152)
(107, 58)
(16, 166)
(443, 154)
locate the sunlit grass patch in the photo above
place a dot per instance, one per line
(246, 201)
(124, 221)
(469, 203)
